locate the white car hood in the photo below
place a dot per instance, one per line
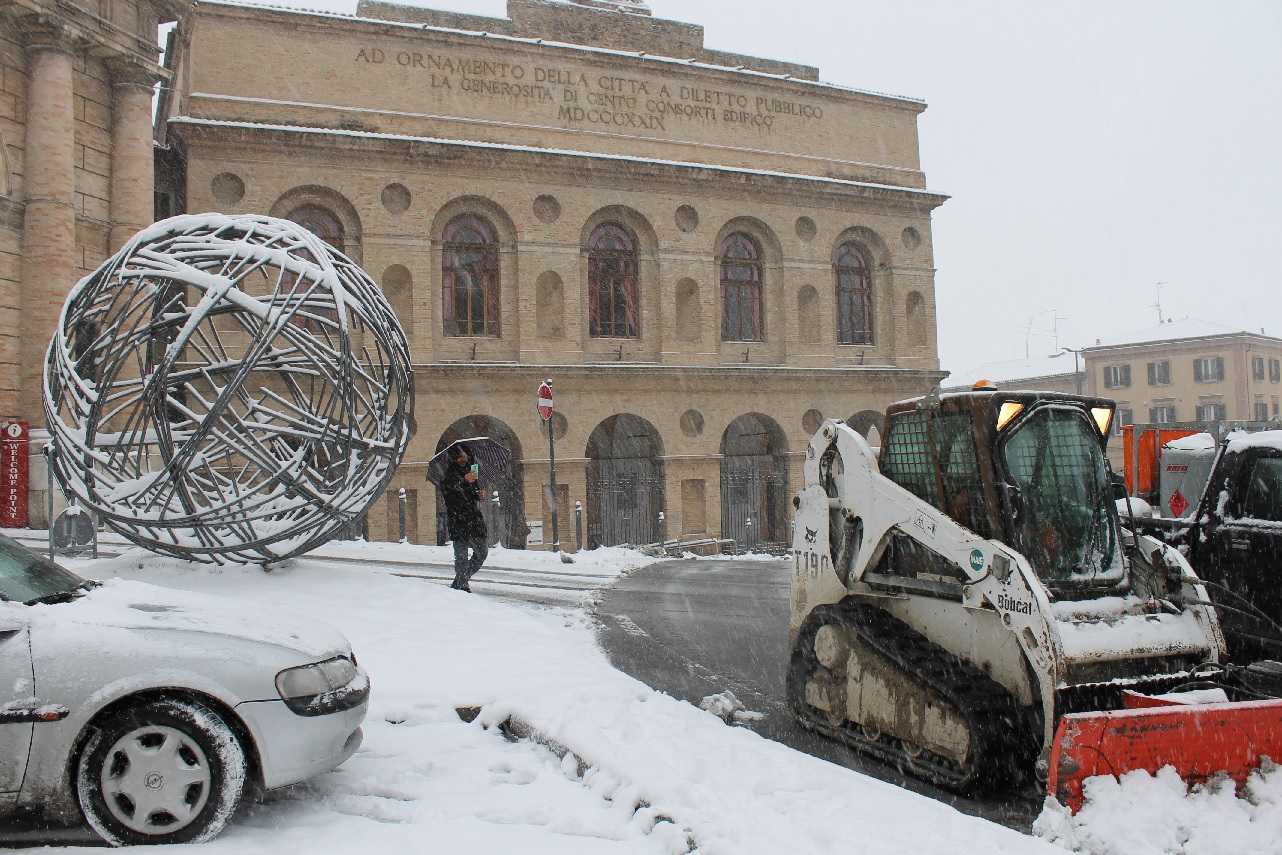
(125, 604)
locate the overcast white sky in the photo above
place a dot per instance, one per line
(1093, 148)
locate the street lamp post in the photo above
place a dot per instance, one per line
(1077, 374)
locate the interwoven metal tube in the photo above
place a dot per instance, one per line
(227, 389)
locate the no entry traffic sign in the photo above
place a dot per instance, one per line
(544, 401)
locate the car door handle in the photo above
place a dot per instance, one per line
(31, 710)
(1240, 543)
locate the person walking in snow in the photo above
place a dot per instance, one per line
(463, 517)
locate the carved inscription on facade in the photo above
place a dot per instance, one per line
(590, 99)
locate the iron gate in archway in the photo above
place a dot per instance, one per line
(624, 482)
(754, 484)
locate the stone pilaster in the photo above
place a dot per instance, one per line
(132, 172)
(49, 221)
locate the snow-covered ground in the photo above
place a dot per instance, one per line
(633, 770)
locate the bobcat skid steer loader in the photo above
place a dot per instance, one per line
(970, 608)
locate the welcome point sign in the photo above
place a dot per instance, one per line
(14, 459)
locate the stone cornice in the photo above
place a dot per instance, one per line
(716, 377)
(41, 30)
(77, 29)
(551, 161)
(130, 71)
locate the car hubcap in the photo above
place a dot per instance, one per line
(155, 780)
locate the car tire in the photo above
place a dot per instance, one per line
(166, 771)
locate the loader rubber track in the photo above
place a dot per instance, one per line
(1002, 750)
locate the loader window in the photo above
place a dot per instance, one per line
(909, 459)
(932, 455)
(959, 473)
(1264, 490)
(1065, 521)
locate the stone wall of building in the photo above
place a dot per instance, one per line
(375, 77)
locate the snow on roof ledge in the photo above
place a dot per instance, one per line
(624, 158)
(1174, 330)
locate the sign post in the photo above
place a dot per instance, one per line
(15, 446)
(544, 403)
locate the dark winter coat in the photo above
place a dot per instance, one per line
(462, 514)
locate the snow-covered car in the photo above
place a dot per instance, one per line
(155, 711)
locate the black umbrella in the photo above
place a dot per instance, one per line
(491, 458)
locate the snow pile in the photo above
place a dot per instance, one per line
(1145, 814)
(728, 708)
(1136, 506)
(561, 753)
(606, 562)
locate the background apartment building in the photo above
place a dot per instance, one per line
(1188, 370)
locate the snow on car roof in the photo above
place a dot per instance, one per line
(1195, 442)
(1263, 439)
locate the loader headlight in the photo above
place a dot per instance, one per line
(1103, 417)
(323, 687)
(1009, 410)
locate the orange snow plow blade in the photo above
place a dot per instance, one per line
(1198, 740)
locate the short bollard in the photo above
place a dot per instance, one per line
(578, 526)
(495, 516)
(663, 532)
(400, 506)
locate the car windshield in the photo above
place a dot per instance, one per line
(27, 576)
(1066, 524)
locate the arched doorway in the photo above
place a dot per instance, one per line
(754, 483)
(625, 482)
(506, 519)
(864, 421)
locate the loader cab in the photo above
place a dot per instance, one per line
(1024, 468)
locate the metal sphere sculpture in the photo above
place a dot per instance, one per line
(227, 388)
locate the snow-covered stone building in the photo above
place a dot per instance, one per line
(708, 253)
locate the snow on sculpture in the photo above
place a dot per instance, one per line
(227, 388)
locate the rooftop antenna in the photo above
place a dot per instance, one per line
(1158, 304)
(1028, 331)
(1056, 317)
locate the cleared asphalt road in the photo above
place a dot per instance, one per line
(693, 628)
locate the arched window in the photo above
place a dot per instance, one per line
(470, 277)
(740, 288)
(854, 294)
(612, 282)
(326, 225)
(321, 222)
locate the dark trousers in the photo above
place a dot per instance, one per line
(465, 568)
